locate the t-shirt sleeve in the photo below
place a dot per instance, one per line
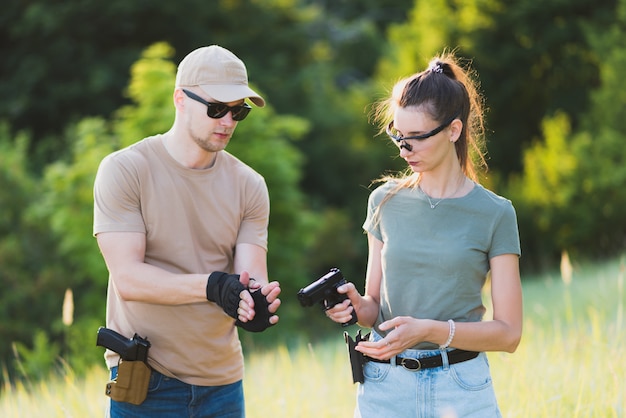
(506, 234)
(253, 228)
(117, 203)
(372, 219)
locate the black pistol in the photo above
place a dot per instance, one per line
(129, 349)
(324, 291)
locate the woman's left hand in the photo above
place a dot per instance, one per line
(404, 333)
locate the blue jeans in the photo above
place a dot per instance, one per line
(459, 390)
(171, 398)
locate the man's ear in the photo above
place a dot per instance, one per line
(179, 99)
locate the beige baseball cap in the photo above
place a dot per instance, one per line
(219, 73)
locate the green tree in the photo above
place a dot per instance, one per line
(63, 61)
(600, 148)
(535, 59)
(545, 191)
(150, 91)
(65, 209)
(32, 277)
(572, 188)
(67, 201)
(21, 250)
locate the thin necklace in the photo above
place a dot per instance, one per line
(434, 205)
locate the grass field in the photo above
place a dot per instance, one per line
(571, 363)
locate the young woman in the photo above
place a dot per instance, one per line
(434, 235)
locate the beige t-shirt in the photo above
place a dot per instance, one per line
(192, 220)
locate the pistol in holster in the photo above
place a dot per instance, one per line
(133, 373)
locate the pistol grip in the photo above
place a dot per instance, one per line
(352, 320)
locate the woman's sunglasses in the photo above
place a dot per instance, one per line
(400, 141)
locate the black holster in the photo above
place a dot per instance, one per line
(357, 359)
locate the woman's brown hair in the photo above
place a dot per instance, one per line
(445, 90)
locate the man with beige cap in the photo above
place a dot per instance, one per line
(182, 226)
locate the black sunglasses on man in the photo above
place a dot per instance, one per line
(219, 110)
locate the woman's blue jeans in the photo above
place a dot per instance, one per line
(459, 390)
(171, 398)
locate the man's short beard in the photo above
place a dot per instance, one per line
(206, 145)
(203, 142)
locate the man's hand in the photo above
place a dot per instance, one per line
(258, 304)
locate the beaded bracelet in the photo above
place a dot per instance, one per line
(450, 335)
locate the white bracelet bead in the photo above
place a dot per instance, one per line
(450, 335)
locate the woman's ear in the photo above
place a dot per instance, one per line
(455, 130)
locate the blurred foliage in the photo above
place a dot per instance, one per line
(150, 92)
(535, 59)
(572, 189)
(81, 79)
(37, 362)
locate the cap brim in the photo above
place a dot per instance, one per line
(233, 93)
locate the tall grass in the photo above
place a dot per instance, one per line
(572, 360)
(60, 396)
(571, 363)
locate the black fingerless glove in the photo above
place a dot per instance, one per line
(224, 289)
(262, 314)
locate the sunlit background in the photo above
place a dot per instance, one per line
(81, 78)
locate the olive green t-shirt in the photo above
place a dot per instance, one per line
(193, 219)
(435, 261)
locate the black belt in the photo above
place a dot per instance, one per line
(414, 364)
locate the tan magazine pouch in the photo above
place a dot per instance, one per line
(131, 383)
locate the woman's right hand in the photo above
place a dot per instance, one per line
(342, 312)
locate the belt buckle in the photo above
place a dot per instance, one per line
(411, 364)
